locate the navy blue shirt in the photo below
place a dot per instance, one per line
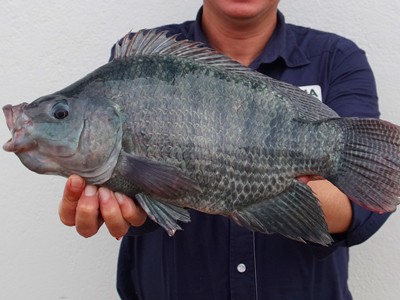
(215, 259)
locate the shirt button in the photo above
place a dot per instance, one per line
(241, 268)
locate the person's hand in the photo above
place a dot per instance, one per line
(335, 204)
(87, 207)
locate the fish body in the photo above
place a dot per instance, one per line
(176, 125)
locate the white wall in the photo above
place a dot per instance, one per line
(45, 45)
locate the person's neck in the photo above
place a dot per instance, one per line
(242, 40)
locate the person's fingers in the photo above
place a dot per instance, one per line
(88, 219)
(111, 213)
(72, 192)
(87, 208)
(131, 212)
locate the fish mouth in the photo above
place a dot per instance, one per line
(17, 123)
(8, 113)
(9, 146)
(17, 145)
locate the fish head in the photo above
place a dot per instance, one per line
(63, 135)
(46, 120)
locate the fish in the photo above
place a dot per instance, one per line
(178, 126)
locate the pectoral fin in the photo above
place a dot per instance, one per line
(155, 178)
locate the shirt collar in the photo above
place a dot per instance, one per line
(282, 44)
(198, 31)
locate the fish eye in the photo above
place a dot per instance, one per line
(60, 111)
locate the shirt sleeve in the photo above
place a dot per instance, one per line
(352, 93)
(351, 90)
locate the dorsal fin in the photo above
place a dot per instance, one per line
(155, 42)
(152, 42)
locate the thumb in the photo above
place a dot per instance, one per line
(72, 192)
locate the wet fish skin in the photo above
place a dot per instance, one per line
(178, 126)
(205, 138)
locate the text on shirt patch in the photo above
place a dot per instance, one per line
(313, 90)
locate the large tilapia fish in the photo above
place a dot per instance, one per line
(176, 125)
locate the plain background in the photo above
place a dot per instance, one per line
(46, 45)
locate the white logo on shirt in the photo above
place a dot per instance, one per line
(312, 90)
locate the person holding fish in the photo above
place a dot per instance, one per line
(213, 257)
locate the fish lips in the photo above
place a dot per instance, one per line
(17, 123)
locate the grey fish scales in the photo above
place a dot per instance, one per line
(186, 127)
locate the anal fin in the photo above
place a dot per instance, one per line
(295, 213)
(166, 215)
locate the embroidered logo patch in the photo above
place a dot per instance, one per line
(312, 90)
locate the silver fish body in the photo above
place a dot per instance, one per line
(175, 125)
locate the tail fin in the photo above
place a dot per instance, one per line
(369, 168)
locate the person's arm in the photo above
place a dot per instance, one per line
(335, 204)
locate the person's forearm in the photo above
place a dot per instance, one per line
(335, 204)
